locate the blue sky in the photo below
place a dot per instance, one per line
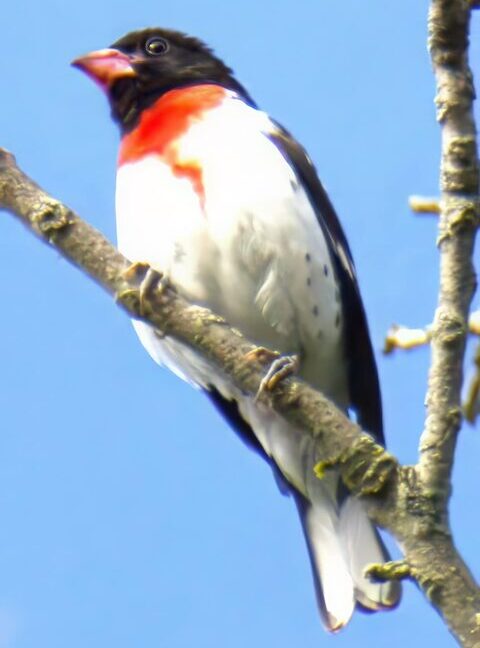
(130, 515)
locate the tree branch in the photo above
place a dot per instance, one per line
(365, 466)
(406, 338)
(392, 493)
(459, 212)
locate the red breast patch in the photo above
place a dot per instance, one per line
(162, 125)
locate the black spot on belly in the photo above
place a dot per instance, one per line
(315, 310)
(325, 270)
(337, 320)
(308, 258)
(309, 281)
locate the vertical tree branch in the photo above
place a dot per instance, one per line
(459, 210)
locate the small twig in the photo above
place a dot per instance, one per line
(406, 339)
(472, 402)
(474, 323)
(423, 205)
(402, 337)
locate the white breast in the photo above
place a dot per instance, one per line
(254, 252)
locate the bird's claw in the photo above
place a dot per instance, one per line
(281, 367)
(149, 279)
(261, 354)
(135, 271)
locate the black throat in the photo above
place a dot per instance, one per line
(128, 99)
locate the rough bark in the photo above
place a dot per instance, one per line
(409, 501)
(459, 211)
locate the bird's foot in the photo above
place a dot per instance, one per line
(281, 367)
(149, 279)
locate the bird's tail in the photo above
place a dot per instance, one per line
(363, 545)
(340, 544)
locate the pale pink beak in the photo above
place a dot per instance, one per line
(105, 66)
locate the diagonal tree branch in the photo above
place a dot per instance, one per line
(144, 295)
(459, 212)
(393, 494)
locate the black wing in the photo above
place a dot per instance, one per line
(364, 386)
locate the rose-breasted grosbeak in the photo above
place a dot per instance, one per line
(219, 197)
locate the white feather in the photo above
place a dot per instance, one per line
(328, 557)
(362, 546)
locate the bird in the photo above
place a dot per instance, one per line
(221, 199)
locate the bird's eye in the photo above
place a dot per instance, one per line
(156, 46)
